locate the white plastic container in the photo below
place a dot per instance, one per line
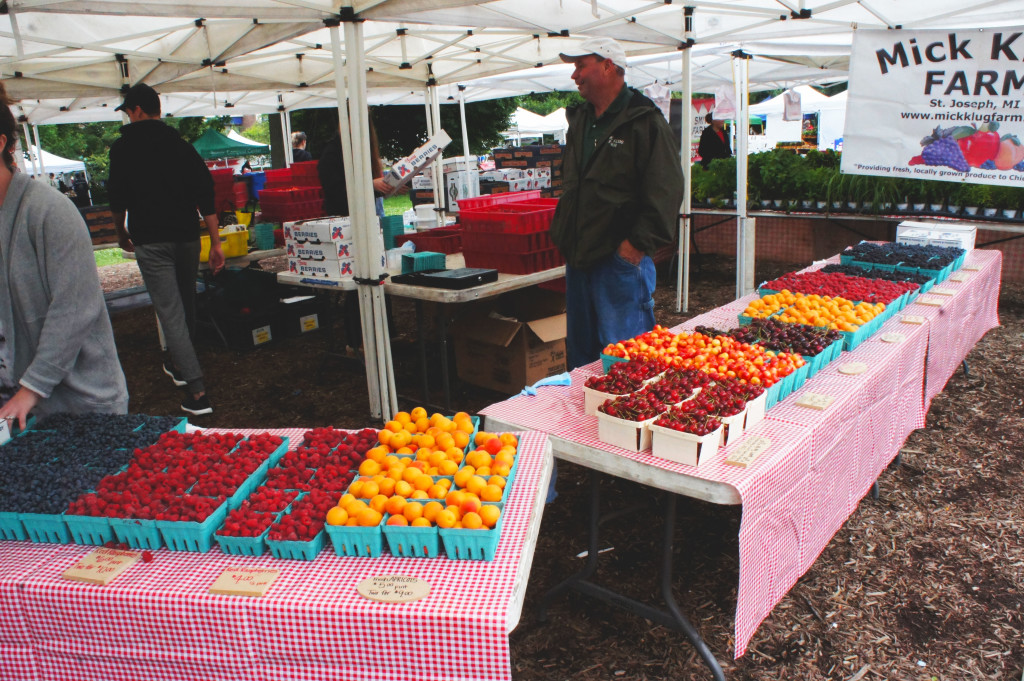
(732, 427)
(684, 448)
(755, 411)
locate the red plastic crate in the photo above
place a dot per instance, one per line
(484, 202)
(492, 242)
(305, 174)
(515, 263)
(516, 218)
(438, 240)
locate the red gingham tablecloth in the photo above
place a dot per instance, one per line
(820, 464)
(158, 620)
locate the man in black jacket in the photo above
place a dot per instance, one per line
(622, 189)
(163, 185)
(299, 153)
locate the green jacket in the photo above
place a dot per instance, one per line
(632, 188)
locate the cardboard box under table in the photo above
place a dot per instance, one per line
(506, 353)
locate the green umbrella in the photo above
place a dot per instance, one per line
(213, 144)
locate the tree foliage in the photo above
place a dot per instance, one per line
(543, 103)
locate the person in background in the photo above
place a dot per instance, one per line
(299, 152)
(57, 351)
(81, 188)
(246, 168)
(62, 185)
(53, 181)
(714, 142)
(163, 203)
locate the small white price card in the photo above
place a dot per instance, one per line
(244, 581)
(853, 368)
(934, 302)
(913, 319)
(936, 291)
(748, 450)
(971, 268)
(101, 566)
(393, 588)
(815, 401)
(5, 431)
(892, 338)
(960, 276)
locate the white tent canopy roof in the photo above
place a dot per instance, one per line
(810, 100)
(54, 163)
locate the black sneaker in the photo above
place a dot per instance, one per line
(197, 406)
(173, 373)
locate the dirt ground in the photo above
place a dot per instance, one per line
(923, 584)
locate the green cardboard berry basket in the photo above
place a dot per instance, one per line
(46, 528)
(297, 550)
(461, 544)
(185, 535)
(608, 360)
(11, 527)
(89, 530)
(351, 540)
(138, 533)
(243, 546)
(411, 542)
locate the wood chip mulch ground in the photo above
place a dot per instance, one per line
(926, 583)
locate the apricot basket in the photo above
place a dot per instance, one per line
(45, 527)
(87, 529)
(183, 535)
(411, 542)
(356, 541)
(297, 550)
(461, 544)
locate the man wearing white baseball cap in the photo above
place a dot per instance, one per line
(622, 188)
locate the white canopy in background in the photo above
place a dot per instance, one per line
(231, 134)
(528, 124)
(56, 164)
(831, 116)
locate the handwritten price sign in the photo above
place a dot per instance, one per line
(815, 401)
(244, 581)
(393, 588)
(101, 566)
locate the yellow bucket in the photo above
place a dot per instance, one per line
(243, 218)
(234, 244)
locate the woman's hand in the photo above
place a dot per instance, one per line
(18, 407)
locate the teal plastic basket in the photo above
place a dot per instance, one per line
(11, 527)
(420, 262)
(461, 544)
(412, 542)
(391, 226)
(800, 376)
(137, 533)
(264, 236)
(183, 535)
(46, 528)
(771, 395)
(90, 530)
(297, 550)
(367, 542)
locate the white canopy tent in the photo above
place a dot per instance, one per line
(831, 115)
(221, 53)
(528, 124)
(55, 164)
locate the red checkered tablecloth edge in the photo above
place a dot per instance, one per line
(819, 464)
(158, 620)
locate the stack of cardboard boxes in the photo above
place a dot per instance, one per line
(321, 248)
(540, 165)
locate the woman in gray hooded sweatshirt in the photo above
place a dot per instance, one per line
(57, 350)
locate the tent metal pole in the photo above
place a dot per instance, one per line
(465, 132)
(28, 147)
(39, 150)
(685, 154)
(744, 225)
(344, 130)
(287, 138)
(438, 163)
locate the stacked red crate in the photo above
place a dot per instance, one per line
(304, 174)
(292, 203)
(278, 178)
(510, 237)
(223, 189)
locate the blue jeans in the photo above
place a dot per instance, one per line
(610, 302)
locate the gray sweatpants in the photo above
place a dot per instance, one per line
(169, 270)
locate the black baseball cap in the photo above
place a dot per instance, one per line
(141, 95)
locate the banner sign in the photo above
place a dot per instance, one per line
(937, 105)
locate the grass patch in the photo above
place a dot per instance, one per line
(108, 256)
(397, 204)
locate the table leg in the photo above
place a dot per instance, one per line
(874, 490)
(967, 369)
(672, 617)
